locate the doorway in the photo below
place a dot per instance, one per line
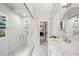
(43, 31)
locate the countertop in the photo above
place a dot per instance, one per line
(62, 48)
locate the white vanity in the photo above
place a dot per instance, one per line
(62, 48)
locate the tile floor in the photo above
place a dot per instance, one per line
(42, 50)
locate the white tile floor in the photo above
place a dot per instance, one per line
(42, 50)
(24, 51)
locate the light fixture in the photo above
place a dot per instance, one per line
(65, 5)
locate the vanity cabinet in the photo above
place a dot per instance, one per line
(62, 48)
(52, 51)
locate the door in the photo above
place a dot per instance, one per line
(43, 31)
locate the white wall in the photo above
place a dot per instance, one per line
(27, 38)
(12, 40)
(37, 33)
(54, 22)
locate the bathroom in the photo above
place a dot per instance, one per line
(39, 29)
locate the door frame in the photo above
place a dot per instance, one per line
(47, 28)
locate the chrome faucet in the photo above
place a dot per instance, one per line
(67, 39)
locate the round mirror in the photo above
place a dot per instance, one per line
(70, 22)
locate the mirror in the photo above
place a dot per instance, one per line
(70, 23)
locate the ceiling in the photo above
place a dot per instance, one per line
(19, 8)
(41, 11)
